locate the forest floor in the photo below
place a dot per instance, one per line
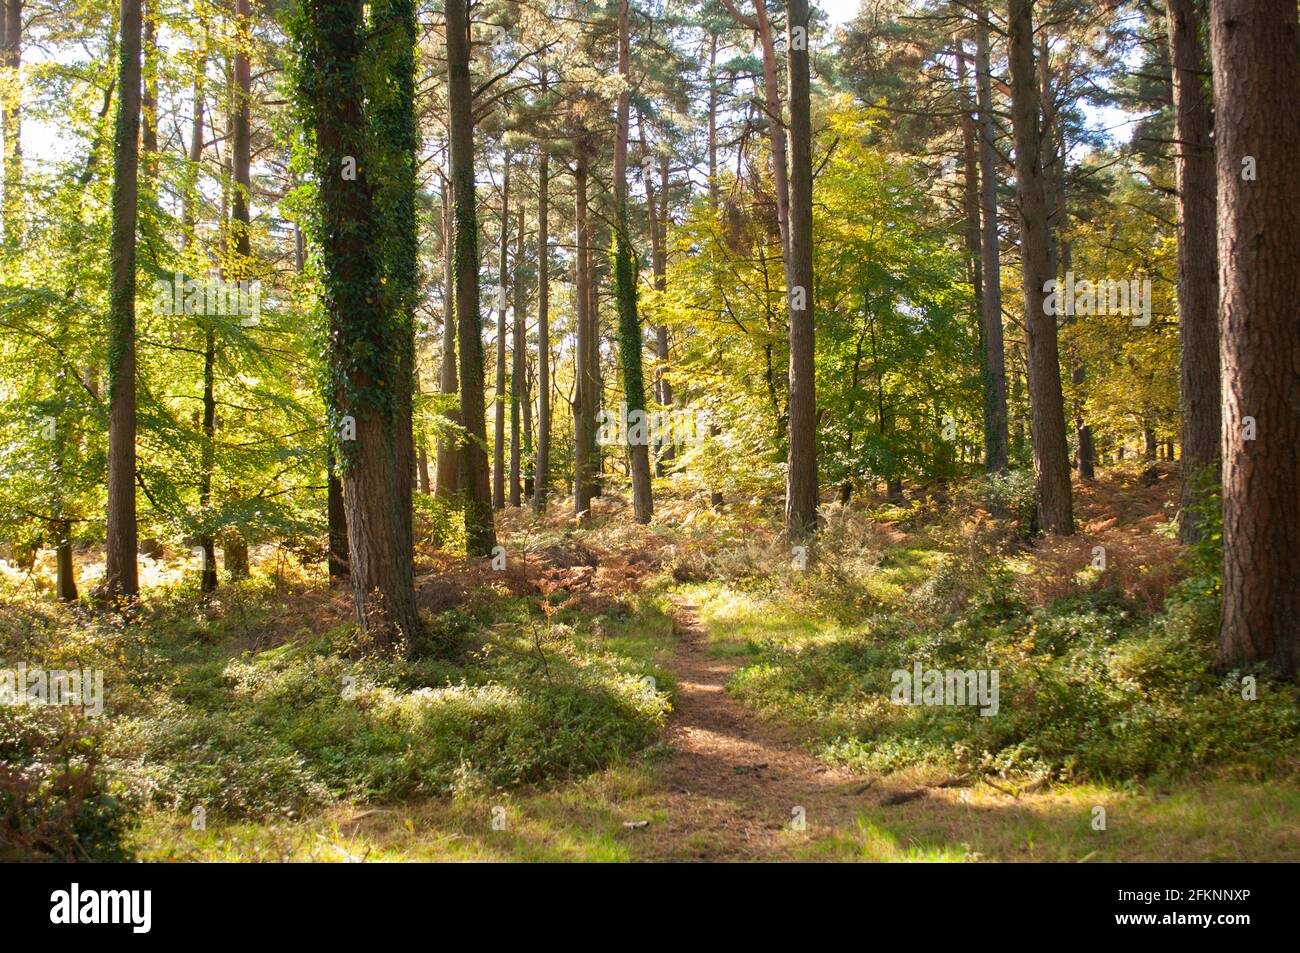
(686, 692)
(729, 787)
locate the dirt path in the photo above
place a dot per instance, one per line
(733, 782)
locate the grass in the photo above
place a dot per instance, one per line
(1218, 821)
(299, 743)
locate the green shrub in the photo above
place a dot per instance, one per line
(57, 801)
(299, 725)
(1088, 689)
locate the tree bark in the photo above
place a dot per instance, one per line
(1047, 409)
(66, 574)
(518, 369)
(657, 225)
(447, 464)
(996, 437)
(479, 530)
(583, 403)
(801, 473)
(772, 107)
(395, 139)
(241, 211)
(543, 467)
(208, 571)
(970, 205)
(11, 59)
(149, 98)
(1256, 62)
(629, 332)
(1198, 267)
(499, 403)
(121, 578)
(1087, 446)
(713, 119)
(365, 348)
(338, 522)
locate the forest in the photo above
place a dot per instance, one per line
(649, 430)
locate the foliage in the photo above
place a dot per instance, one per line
(57, 799)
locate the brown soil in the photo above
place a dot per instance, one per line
(733, 782)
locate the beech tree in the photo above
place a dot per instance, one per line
(121, 578)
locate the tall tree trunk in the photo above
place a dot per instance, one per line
(242, 142)
(996, 437)
(120, 574)
(629, 322)
(971, 180)
(1047, 408)
(1087, 446)
(543, 467)
(597, 267)
(772, 108)
(192, 196)
(970, 203)
(715, 495)
(1198, 266)
(657, 225)
(1255, 46)
(66, 570)
(447, 466)
(518, 367)
(713, 119)
(208, 571)
(364, 347)
(234, 548)
(338, 522)
(149, 98)
(479, 531)
(499, 404)
(11, 59)
(426, 483)
(801, 474)
(529, 468)
(189, 214)
(584, 397)
(395, 141)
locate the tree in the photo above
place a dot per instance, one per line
(499, 402)
(995, 370)
(480, 534)
(394, 143)
(801, 478)
(518, 369)
(120, 574)
(629, 323)
(585, 390)
(1051, 460)
(447, 461)
(543, 465)
(1198, 279)
(365, 342)
(1255, 46)
(11, 118)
